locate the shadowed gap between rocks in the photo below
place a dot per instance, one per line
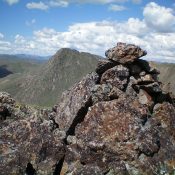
(4, 113)
(30, 170)
(59, 166)
(71, 131)
(80, 117)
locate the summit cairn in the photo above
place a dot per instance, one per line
(118, 120)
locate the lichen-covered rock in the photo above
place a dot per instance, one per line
(125, 53)
(164, 114)
(11, 111)
(101, 93)
(113, 125)
(6, 98)
(116, 76)
(29, 143)
(87, 161)
(74, 102)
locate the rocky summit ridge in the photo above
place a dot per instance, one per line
(116, 121)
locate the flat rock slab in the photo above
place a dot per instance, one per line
(125, 53)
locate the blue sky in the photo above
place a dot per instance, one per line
(42, 27)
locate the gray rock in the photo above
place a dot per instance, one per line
(104, 65)
(116, 76)
(101, 93)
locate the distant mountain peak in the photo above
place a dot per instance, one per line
(66, 51)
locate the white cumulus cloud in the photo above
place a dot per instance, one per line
(160, 18)
(46, 4)
(97, 37)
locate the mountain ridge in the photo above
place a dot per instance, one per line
(61, 71)
(36, 82)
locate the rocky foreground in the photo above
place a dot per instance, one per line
(116, 121)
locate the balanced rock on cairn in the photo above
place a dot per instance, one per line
(118, 120)
(125, 53)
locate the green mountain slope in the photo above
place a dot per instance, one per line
(167, 75)
(37, 83)
(13, 71)
(46, 85)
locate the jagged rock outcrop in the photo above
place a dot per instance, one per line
(27, 143)
(125, 129)
(116, 121)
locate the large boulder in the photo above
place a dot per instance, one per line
(74, 103)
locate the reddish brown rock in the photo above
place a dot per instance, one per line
(145, 98)
(125, 53)
(162, 127)
(74, 102)
(6, 98)
(86, 161)
(116, 76)
(113, 125)
(26, 142)
(164, 114)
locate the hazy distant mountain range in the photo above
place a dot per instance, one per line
(38, 81)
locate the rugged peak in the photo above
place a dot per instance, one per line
(62, 55)
(66, 50)
(125, 53)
